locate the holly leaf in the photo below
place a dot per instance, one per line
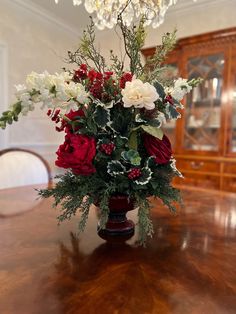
(160, 90)
(172, 113)
(115, 168)
(120, 121)
(101, 116)
(155, 122)
(139, 119)
(154, 131)
(145, 177)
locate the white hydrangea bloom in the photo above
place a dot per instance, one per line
(180, 89)
(76, 91)
(139, 94)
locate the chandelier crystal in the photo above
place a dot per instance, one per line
(105, 12)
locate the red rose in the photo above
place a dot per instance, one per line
(77, 153)
(160, 149)
(126, 77)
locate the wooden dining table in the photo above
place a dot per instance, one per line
(188, 267)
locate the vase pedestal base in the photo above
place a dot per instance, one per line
(117, 231)
(117, 234)
(118, 228)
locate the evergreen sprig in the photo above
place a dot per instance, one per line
(145, 225)
(153, 65)
(87, 51)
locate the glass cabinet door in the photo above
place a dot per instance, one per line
(203, 104)
(232, 118)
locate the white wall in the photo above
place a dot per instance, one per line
(3, 88)
(33, 43)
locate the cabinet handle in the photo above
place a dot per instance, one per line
(196, 165)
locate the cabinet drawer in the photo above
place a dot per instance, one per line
(198, 165)
(230, 168)
(199, 180)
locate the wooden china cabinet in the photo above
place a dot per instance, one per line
(204, 140)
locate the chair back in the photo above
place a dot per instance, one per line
(19, 167)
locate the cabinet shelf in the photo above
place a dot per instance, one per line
(216, 102)
(213, 127)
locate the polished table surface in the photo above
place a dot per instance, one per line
(188, 267)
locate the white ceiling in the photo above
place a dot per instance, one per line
(76, 17)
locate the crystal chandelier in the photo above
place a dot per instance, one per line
(106, 12)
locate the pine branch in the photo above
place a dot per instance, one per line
(87, 51)
(144, 221)
(154, 63)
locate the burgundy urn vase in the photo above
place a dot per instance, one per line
(118, 227)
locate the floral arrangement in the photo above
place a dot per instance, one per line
(112, 119)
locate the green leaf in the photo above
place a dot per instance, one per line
(154, 131)
(172, 112)
(17, 107)
(138, 118)
(120, 121)
(101, 116)
(120, 141)
(133, 140)
(160, 90)
(154, 184)
(145, 177)
(136, 161)
(115, 168)
(155, 122)
(132, 156)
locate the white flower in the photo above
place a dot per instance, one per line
(139, 94)
(35, 81)
(20, 89)
(26, 105)
(38, 88)
(180, 89)
(76, 91)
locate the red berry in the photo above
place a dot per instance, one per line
(134, 173)
(107, 148)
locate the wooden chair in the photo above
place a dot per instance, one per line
(20, 167)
